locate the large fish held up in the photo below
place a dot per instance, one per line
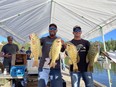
(73, 55)
(92, 55)
(36, 51)
(55, 51)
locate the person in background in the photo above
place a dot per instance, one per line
(82, 65)
(22, 50)
(28, 52)
(44, 69)
(7, 51)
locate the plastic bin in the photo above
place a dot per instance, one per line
(17, 70)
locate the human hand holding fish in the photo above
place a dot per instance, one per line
(7, 55)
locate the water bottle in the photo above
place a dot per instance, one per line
(5, 71)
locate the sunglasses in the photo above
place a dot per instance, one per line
(51, 28)
(77, 30)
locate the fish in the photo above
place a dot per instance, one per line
(1, 67)
(55, 51)
(36, 50)
(73, 55)
(92, 55)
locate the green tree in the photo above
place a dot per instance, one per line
(110, 45)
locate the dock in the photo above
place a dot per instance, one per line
(67, 78)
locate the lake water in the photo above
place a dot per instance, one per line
(100, 74)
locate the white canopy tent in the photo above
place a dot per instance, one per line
(20, 18)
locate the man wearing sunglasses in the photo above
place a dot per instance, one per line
(82, 47)
(45, 72)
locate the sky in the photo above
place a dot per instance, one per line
(108, 36)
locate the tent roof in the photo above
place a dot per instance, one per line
(20, 18)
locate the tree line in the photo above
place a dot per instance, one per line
(110, 45)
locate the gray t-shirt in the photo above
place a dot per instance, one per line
(10, 49)
(46, 43)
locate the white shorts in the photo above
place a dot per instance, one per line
(44, 74)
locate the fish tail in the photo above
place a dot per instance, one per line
(75, 67)
(90, 68)
(52, 64)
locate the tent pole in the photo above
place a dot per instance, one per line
(108, 70)
(51, 11)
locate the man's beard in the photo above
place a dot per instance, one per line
(52, 34)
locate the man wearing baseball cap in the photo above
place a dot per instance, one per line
(45, 72)
(82, 47)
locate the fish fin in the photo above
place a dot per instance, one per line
(96, 58)
(58, 58)
(75, 67)
(31, 56)
(52, 64)
(90, 68)
(69, 61)
(40, 54)
(87, 60)
(78, 58)
(50, 54)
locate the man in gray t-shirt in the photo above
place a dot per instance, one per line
(44, 70)
(7, 50)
